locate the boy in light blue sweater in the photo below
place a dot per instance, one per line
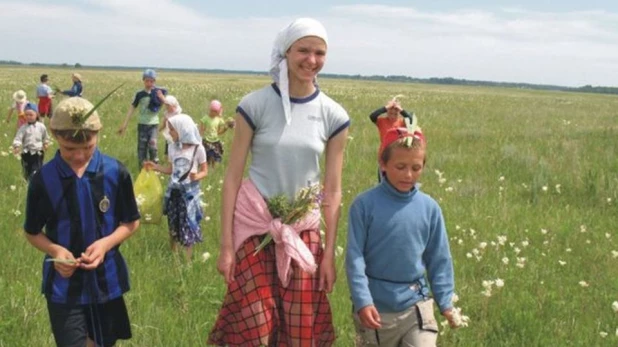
(397, 243)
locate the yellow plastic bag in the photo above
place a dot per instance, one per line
(149, 196)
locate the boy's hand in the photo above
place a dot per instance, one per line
(94, 255)
(369, 317)
(65, 270)
(328, 274)
(450, 317)
(16, 150)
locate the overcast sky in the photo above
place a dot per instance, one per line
(571, 43)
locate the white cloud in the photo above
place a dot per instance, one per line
(572, 48)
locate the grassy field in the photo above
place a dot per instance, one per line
(527, 180)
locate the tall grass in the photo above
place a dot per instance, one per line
(536, 167)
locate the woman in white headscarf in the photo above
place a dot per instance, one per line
(286, 126)
(187, 158)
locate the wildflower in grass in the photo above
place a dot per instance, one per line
(148, 217)
(614, 254)
(460, 242)
(568, 250)
(615, 306)
(475, 251)
(521, 262)
(525, 243)
(457, 227)
(472, 232)
(350, 138)
(582, 228)
(558, 189)
(505, 261)
(562, 263)
(544, 231)
(517, 250)
(584, 284)
(4, 154)
(588, 241)
(544, 188)
(482, 245)
(17, 213)
(469, 255)
(609, 200)
(13, 187)
(512, 244)
(208, 188)
(206, 218)
(545, 243)
(499, 283)
(220, 181)
(339, 251)
(603, 334)
(205, 256)
(448, 189)
(501, 179)
(608, 236)
(501, 239)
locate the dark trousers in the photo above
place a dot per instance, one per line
(31, 163)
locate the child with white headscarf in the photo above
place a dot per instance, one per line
(187, 167)
(286, 126)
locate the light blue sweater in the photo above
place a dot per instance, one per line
(394, 240)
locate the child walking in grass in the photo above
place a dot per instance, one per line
(187, 167)
(20, 100)
(398, 252)
(213, 125)
(394, 118)
(31, 141)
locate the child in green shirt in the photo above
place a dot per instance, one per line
(212, 126)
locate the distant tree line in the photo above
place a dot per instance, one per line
(385, 78)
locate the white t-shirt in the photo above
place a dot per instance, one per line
(286, 158)
(181, 159)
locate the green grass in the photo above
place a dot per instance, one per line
(533, 139)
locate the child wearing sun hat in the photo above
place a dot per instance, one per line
(20, 100)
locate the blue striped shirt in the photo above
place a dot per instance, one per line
(74, 216)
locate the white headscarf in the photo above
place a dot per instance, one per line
(298, 29)
(172, 101)
(188, 132)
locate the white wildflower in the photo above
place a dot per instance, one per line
(603, 334)
(4, 154)
(525, 243)
(544, 231)
(562, 263)
(502, 239)
(148, 217)
(608, 235)
(455, 298)
(460, 242)
(207, 218)
(614, 254)
(499, 283)
(457, 227)
(582, 228)
(468, 255)
(615, 306)
(568, 250)
(339, 251)
(517, 250)
(482, 245)
(205, 256)
(558, 189)
(521, 262)
(584, 284)
(501, 178)
(505, 260)
(448, 189)
(475, 251)
(17, 213)
(544, 188)
(13, 187)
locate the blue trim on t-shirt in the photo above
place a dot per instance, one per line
(246, 117)
(340, 129)
(298, 100)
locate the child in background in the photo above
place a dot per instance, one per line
(212, 126)
(19, 104)
(392, 119)
(76, 88)
(31, 140)
(148, 102)
(182, 198)
(84, 200)
(172, 108)
(397, 239)
(45, 94)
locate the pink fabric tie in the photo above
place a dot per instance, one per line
(251, 218)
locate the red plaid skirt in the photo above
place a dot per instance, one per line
(259, 311)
